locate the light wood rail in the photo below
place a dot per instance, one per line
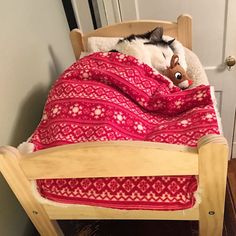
(181, 30)
(110, 159)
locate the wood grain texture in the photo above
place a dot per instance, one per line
(213, 159)
(21, 187)
(111, 159)
(93, 212)
(181, 30)
(185, 30)
(212, 179)
(76, 38)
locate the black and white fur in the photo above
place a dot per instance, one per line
(152, 48)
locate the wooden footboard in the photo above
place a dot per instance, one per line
(212, 165)
(109, 159)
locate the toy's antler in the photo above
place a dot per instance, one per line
(174, 61)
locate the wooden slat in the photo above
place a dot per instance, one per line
(76, 37)
(93, 212)
(212, 138)
(132, 27)
(185, 30)
(111, 159)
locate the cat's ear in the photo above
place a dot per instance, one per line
(129, 38)
(170, 41)
(156, 34)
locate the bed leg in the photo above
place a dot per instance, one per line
(20, 185)
(213, 161)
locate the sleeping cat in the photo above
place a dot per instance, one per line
(151, 48)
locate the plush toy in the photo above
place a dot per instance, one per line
(177, 74)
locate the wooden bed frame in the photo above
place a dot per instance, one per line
(109, 159)
(181, 30)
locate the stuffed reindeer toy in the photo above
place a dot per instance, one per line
(177, 74)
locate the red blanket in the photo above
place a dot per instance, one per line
(111, 96)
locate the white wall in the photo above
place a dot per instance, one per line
(34, 50)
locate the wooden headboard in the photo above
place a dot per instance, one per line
(181, 30)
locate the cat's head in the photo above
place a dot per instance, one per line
(151, 48)
(154, 37)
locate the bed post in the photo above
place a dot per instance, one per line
(76, 37)
(185, 30)
(10, 168)
(213, 160)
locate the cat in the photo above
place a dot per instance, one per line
(150, 48)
